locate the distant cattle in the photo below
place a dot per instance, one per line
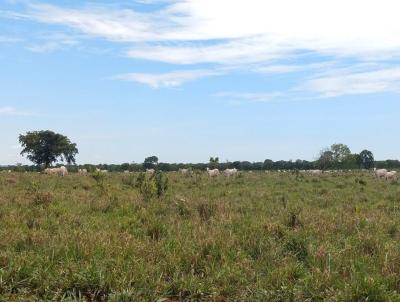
(230, 172)
(380, 173)
(315, 172)
(82, 171)
(185, 171)
(150, 172)
(212, 172)
(392, 175)
(62, 171)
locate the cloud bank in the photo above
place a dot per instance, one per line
(259, 35)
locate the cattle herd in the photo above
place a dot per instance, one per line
(383, 173)
(378, 173)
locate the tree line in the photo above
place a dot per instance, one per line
(45, 148)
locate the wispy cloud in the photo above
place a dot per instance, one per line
(357, 80)
(8, 39)
(11, 111)
(51, 46)
(253, 26)
(256, 35)
(292, 68)
(259, 97)
(166, 80)
(49, 42)
(348, 82)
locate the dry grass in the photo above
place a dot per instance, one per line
(259, 237)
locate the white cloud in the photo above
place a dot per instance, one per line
(255, 27)
(166, 80)
(358, 80)
(11, 111)
(277, 69)
(250, 96)
(347, 82)
(254, 34)
(51, 46)
(7, 39)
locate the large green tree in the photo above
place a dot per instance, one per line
(150, 162)
(326, 159)
(47, 147)
(213, 163)
(366, 159)
(340, 152)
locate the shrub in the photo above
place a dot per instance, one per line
(148, 189)
(206, 211)
(161, 181)
(139, 180)
(297, 247)
(42, 198)
(99, 177)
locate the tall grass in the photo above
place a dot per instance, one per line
(259, 237)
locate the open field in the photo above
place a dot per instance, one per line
(257, 237)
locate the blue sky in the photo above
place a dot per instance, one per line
(189, 79)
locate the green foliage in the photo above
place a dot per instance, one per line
(326, 159)
(340, 152)
(297, 246)
(263, 237)
(366, 159)
(150, 162)
(99, 177)
(161, 181)
(213, 162)
(148, 189)
(140, 180)
(47, 147)
(339, 156)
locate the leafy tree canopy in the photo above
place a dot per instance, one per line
(340, 152)
(150, 162)
(366, 159)
(47, 147)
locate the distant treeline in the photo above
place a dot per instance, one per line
(241, 165)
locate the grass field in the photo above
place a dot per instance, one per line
(258, 237)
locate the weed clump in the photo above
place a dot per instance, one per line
(293, 219)
(150, 187)
(206, 211)
(161, 181)
(297, 247)
(42, 198)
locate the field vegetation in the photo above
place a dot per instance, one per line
(256, 237)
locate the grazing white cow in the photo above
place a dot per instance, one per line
(392, 175)
(316, 172)
(150, 172)
(185, 171)
(101, 171)
(127, 172)
(212, 172)
(62, 171)
(82, 171)
(380, 173)
(230, 172)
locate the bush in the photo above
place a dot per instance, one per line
(148, 189)
(42, 198)
(206, 211)
(161, 181)
(297, 247)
